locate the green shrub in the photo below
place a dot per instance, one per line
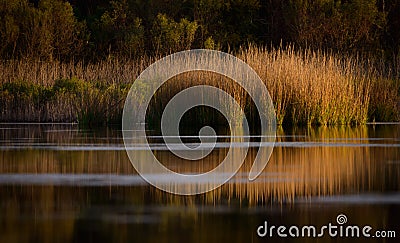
(171, 36)
(89, 103)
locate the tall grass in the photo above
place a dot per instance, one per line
(38, 91)
(307, 87)
(312, 87)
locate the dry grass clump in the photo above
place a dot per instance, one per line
(312, 88)
(35, 91)
(67, 100)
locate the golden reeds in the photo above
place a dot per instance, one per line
(307, 87)
(312, 88)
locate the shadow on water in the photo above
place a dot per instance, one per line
(59, 183)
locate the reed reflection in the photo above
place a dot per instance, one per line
(304, 163)
(114, 204)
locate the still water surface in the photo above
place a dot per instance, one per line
(59, 183)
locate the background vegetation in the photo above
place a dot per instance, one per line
(324, 61)
(93, 29)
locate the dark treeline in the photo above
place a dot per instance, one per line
(96, 29)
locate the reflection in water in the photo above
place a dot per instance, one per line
(53, 192)
(308, 162)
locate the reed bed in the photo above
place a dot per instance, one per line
(37, 91)
(307, 87)
(312, 88)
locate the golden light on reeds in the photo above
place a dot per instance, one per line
(307, 87)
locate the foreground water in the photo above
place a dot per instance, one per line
(59, 183)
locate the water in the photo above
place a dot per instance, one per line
(59, 183)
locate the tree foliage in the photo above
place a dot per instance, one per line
(60, 29)
(343, 26)
(49, 30)
(173, 36)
